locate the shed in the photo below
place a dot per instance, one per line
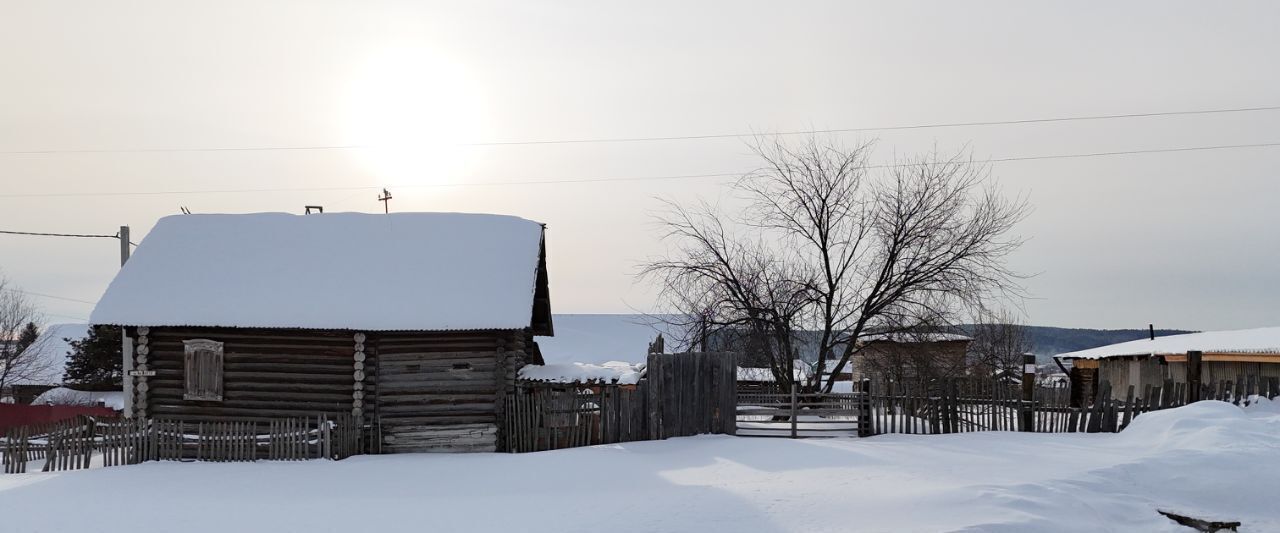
(907, 356)
(414, 323)
(1226, 356)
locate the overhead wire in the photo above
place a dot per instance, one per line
(559, 181)
(1042, 120)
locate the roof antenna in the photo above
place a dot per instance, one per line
(184, 210)
(316, 208)
(1152, 329)
(386, 201)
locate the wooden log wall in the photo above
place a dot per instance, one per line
(444, 391)
(142, 350)
(419, 391)
(267, 374)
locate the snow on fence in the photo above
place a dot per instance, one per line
(88, 442)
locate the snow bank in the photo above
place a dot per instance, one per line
(1258, 340)
(50, 351)
(403, 271)
(1207, 460)
(611, 372)
(65, 396)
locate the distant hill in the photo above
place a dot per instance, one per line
(1049, 341)
(596, 338)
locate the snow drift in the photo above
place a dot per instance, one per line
(1209, 460)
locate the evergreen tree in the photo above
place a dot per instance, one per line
(27, 337)
(95, 361)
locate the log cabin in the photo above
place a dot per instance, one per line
(1224, 356)
(416, 324)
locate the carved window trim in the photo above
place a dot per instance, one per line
(202, 369)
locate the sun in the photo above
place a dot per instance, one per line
(411, 107)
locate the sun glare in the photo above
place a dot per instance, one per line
(411, 107)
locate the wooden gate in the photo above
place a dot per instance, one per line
(691, 394)
(796, 414)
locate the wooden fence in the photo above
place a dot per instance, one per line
(89, 442)
(546, 416)
(680, 395)
(962, 405)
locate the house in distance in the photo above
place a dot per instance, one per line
(416, 324)
(1231, 358)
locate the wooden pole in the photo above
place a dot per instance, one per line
(865, 429)
(794, 408)
(126, 344)
(1193, 375)
(1028, 392)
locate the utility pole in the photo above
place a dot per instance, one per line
(385, 199)
(124, 244)
(126, 344)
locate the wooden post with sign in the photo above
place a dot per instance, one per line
(1028, 392)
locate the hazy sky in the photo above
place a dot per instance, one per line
(1189, 240)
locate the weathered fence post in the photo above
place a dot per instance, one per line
(1028, 392)
(865, 427)
(1193, 375)
(794, 408)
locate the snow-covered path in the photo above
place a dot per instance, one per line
(1210, 460)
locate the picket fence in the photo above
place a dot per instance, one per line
(86, 442)
(959, 406)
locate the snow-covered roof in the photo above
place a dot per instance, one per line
(800, 373)
(610, 372)
(48, 354)
(379, 272)
(916, 337)
(65, 396)
(1258, 340)
(599, 338)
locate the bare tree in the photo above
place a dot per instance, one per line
(16, 313)
(1000, 341)
(841, 247)
(731, 289)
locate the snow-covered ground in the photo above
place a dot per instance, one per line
(1210, 460)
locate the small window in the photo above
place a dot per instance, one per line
(203, 364)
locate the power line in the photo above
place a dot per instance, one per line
(39, 234)
(884, 128)
(610, 179)
(669, 137)
(24, 291)
(67, 235)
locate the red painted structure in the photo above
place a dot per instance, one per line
(26, 415)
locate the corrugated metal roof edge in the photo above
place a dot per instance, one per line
(1259, 351)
